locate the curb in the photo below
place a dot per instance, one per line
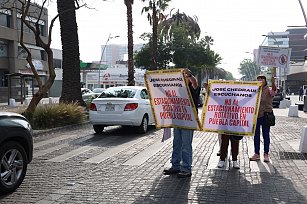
(37, 133)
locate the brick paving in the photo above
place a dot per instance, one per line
(75, 181)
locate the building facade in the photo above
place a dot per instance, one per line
(297, 74)
(12, 55)
(116, 52)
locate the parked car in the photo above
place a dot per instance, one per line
(16, 150)
(85, 90)
(89, 97)
(98, 90)
(123, 105)
(276, 99)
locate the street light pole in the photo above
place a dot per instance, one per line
(304, 14)
(102, 53)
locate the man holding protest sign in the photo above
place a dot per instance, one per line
(182, 142)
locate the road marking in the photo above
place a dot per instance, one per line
(53, 140)
(147, 153)
(49, 150)
(112, 151)
(83, 149)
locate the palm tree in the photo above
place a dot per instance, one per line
(131, 81)
(178, 19)
(157, 7)
(71, 88)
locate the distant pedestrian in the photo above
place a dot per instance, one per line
(288, 91)
(265, 106)
(300, 94)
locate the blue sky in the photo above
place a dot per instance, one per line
(236, 26)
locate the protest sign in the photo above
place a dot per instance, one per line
(274, 56)
(171, 100)
(231, 107)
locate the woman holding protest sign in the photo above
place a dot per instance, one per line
(265, 107)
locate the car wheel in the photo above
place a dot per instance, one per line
(144, 125)
(98, 128)
(13, 166)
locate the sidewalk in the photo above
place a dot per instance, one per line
(282, 180)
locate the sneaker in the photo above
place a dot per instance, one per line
(236, 165)
(255, 157)
(184, 174)
(266, 158)
(170, 171)
(221, 164)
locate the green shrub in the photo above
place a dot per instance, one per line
(58, 115)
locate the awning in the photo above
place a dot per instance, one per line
(31, 46)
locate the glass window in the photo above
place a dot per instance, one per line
(22, 54)
(36, 54)
(3, 49)
(42, 27)
(144, 94)
(118, 93)
(3, 78)
(4, 20)
(57, 63)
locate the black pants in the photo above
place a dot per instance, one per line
(224, 147)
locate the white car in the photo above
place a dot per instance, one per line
(123, 105)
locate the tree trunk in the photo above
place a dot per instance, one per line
(71, 88)
(154, 37)
(131, 81)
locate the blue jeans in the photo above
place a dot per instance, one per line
(182, 150)
(265, 134)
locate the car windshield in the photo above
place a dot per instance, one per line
(98, 90)
(118, 93)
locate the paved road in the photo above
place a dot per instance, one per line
(76, 166)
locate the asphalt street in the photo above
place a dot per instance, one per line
(74, 165)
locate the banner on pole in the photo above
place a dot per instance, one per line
(274, 56)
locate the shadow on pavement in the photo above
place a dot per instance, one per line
(217, 186)
(167, 189)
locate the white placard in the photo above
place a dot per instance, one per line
(231, 107)
(171, 99)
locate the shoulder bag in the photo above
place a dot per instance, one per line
(269, 118)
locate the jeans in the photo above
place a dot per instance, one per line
(265, 134)
(182, 150)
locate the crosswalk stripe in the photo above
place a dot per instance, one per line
(146, 154)
(83, 149)
(112, 151)
(55, 139)
(49, 150)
